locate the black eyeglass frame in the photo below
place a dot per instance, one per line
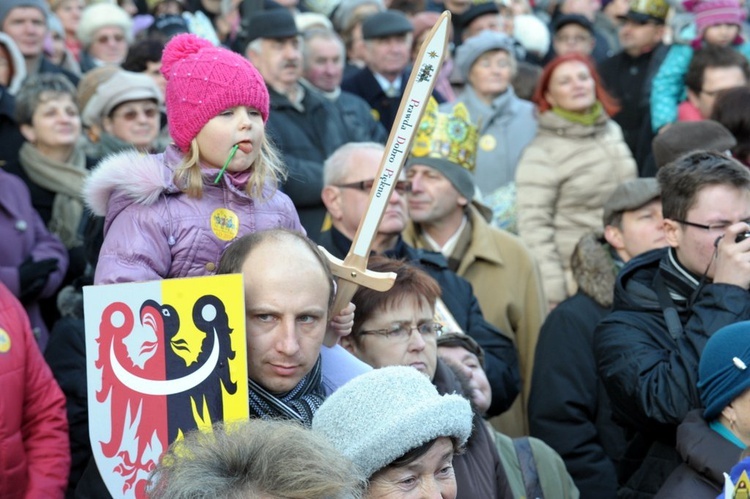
(402, 186)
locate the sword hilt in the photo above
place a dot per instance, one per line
(352, 273)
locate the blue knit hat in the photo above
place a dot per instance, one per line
(724, 370)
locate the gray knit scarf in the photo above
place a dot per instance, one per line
(65, 179)
(299, 404)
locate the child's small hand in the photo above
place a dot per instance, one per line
(342, 323)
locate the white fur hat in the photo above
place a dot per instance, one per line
(100, 15)
(532, 33)
(381, 415)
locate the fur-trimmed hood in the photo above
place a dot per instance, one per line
(17, 61)
(593, 268)
(129, 177)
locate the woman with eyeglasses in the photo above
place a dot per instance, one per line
(398, 328)
(569, 170)
(105, 32)
(120, 110)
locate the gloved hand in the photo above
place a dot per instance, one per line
(32, 277)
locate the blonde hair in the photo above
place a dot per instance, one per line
(267, 168)
(255, 458)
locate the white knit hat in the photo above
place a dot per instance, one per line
(381, 415)
(100, 15)
(532, 33)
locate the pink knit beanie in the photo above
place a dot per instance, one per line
(712, 12)
(202, 81)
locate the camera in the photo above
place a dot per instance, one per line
(742, 236)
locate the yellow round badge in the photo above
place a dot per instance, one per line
(225, 224)
(487, 142)
(4, 341)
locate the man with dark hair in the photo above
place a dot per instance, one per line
(712, 70)
(629, 73)
(667, 304)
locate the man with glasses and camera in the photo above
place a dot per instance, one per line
(348, 177)
(667, 304)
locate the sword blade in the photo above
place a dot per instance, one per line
(417, 92)
(352, 272)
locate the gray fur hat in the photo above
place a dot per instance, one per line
(381, 415)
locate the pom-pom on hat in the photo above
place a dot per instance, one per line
(202, 81)
(712, 12)
(724, 369)
(381, 415)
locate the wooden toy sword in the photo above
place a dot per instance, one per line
(352, 271)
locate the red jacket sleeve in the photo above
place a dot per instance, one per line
(44, 424)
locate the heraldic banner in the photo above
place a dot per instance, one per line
(162, 358)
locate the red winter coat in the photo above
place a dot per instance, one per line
(34, 449)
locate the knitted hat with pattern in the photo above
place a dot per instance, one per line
(713, 12)
(202, 81)
(381, 415)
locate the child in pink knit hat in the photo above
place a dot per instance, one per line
(718, 23)
(173, 214)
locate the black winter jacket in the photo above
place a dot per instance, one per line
(650, 372)
(706, 456)
(479, 471)
(568, 406)
(306, 139)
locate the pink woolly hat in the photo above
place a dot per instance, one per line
(202, 81)
(712, 12)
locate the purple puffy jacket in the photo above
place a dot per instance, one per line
(153, 230)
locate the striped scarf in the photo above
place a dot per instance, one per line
(299, 404)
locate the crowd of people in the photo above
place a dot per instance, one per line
(569, 237)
